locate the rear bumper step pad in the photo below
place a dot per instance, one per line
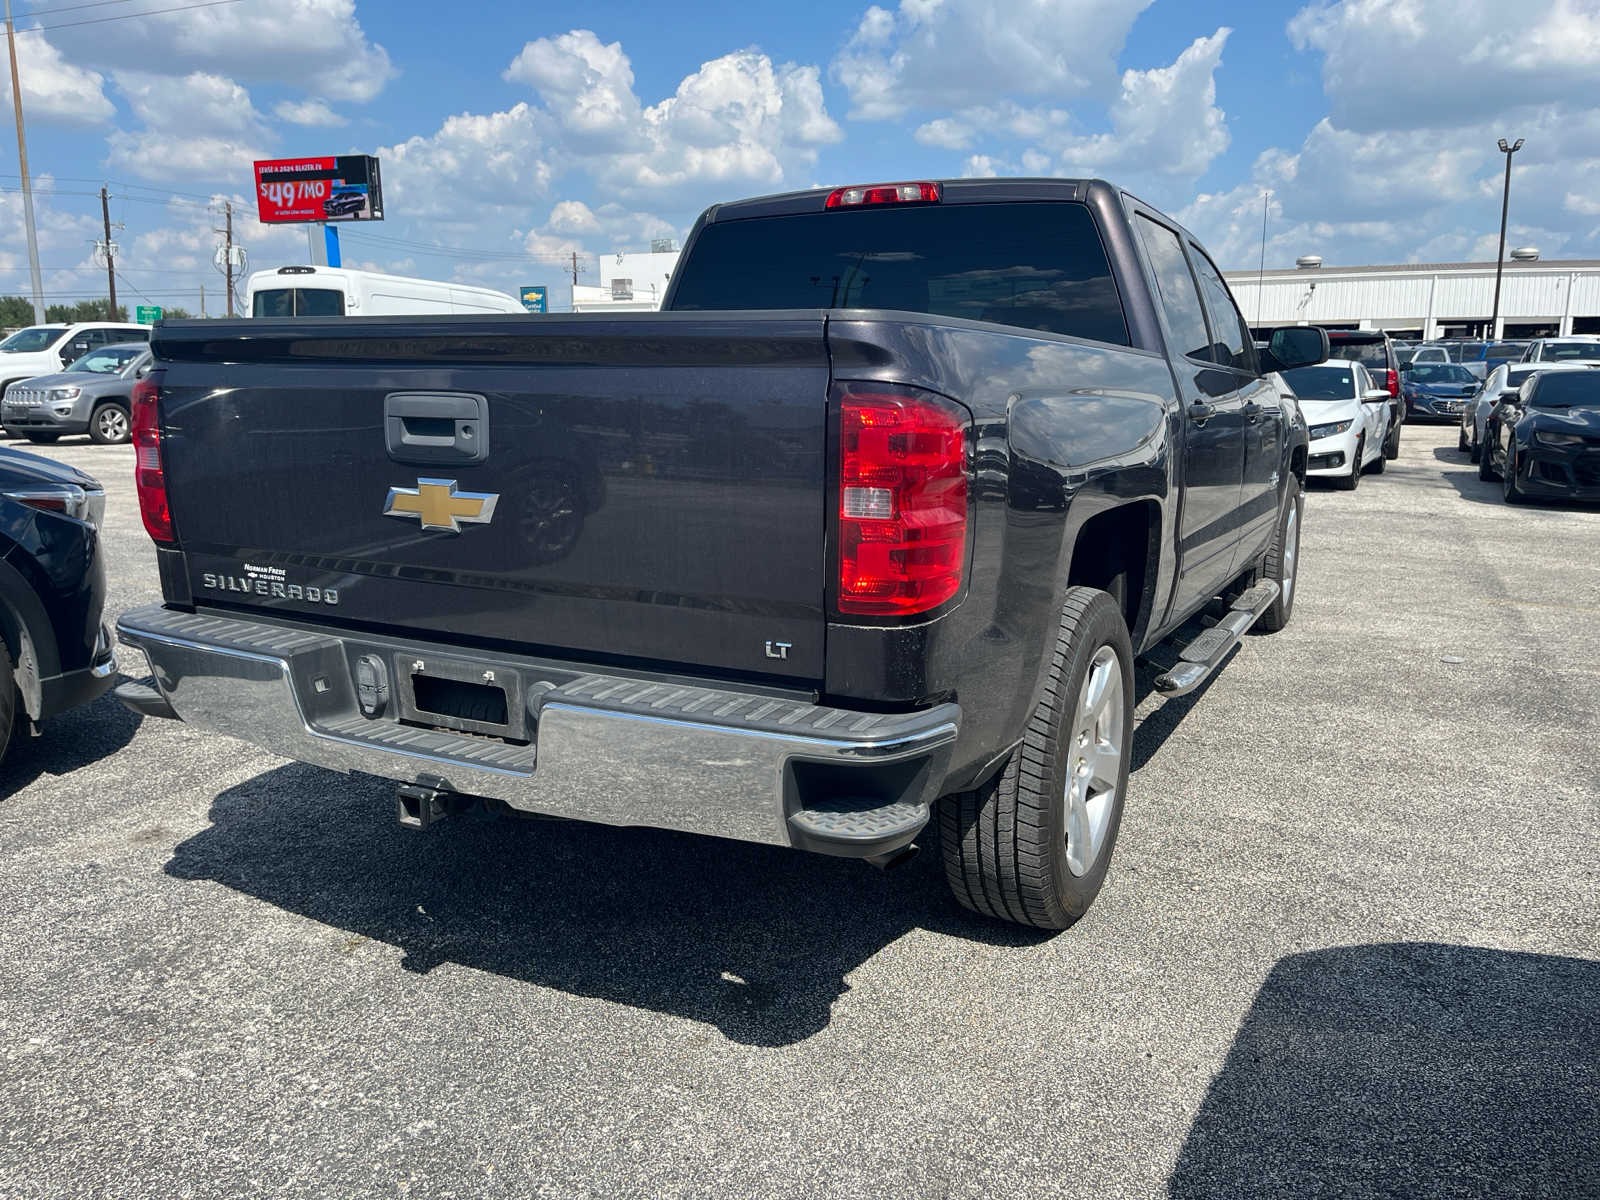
(620, 750)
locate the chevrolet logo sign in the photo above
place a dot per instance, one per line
(436, 504)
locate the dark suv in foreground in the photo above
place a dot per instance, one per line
(54, 652)
(1373, 350)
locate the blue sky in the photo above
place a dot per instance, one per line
(512, 134)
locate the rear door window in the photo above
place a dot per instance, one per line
(1180, 295)
(1033, 266)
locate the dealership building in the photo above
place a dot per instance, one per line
(1428, 300)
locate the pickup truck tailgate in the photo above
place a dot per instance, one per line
(657, 480)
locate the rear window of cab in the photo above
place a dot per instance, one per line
(1038, 266)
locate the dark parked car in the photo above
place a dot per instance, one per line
(1544, 439)
(54, 652)
(1373, 350)
(1437, 391)
(343, 204)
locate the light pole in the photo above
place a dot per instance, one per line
(1499, 262)
(27, 184)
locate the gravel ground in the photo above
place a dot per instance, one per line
(1349, 944)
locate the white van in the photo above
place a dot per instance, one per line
(342, 292)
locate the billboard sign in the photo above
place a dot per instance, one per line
(344, 188)
(535, 299)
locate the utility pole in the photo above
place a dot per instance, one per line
(1261, 271)
(227, 254)
(1500, 259)
(574, 268)
(202, 300)
(27, 184)
(111, 264)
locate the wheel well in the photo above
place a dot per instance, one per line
(1297, 464)
(1116, 551)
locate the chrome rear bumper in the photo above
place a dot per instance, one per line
(620, 750)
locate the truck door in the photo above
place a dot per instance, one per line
(1260, 410)
(1213, 435)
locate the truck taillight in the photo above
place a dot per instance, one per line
(1391, 380)
(148, 475)
(902, 501)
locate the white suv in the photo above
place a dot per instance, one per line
(46, 349)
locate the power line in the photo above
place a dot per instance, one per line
(50, 12)
(154, 12)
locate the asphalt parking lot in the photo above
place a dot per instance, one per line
(1350, 943)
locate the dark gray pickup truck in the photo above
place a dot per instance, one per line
(864, 529)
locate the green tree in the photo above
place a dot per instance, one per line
(176, 314)
(85, 310)
(15, 311)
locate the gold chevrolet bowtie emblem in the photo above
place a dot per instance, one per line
(436, 504)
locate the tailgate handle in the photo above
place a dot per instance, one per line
(436, 427)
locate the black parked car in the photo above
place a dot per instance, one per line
(54, 652)
(1373, 350)
(1544, 439)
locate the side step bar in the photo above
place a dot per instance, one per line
(1204, 655)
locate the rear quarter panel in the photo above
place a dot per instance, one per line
(1063, 430)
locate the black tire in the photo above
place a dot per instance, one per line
(1005, 843)
(1391, 443)
(1282, 565)
(43, 439)
(1486, 455)
(1379, 465)
(1474, 449)
(1349, 483)
(110, 424)
(9, 701)
(1461, 441)
(1509, 487)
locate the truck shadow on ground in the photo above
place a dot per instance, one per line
(70, 740)
(1409, 1069)
(755, 940)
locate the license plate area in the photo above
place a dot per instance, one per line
(458, 694)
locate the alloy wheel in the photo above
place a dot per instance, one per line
(1095, 767)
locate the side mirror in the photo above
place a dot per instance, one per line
(1298, 346)
(1376, 396)
(1404, 367)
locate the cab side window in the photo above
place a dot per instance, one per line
(1233, 346)
(1180, 298)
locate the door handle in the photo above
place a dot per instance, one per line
(1200, 412)
(436, 427)
(1252, 412)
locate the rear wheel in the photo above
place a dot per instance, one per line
(1032, 845)
(1391, 443)
(109, 425)
(43, 439)
(1486, 454)
(1461, 441)
(9, 700)
(1283, 559)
